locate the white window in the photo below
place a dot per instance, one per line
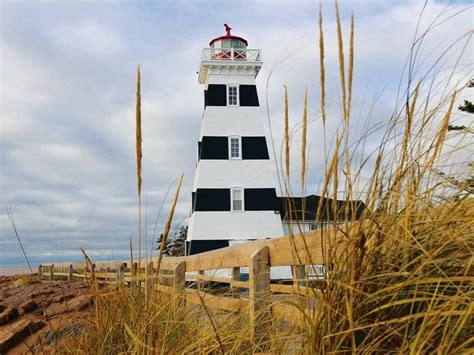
(232, 95)
(235, 148)
(237, 199)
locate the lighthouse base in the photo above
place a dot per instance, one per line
(201, 246)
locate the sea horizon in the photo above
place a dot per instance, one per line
(10, 270)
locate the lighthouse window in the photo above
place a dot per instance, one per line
(232, 95)
(235, 148)
(237, 199)
(226, 43)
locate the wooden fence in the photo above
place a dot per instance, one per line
(186, 275)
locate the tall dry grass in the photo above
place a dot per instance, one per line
(400, 281)
(139, 155)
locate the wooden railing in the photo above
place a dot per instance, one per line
(187, 275)
(237, 54)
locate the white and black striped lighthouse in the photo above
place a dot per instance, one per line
(234, 198)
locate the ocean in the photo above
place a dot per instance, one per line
(7, 270)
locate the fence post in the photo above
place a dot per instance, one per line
(40, 272)
(69, 275)
(51, 272)
(200, 282)
(120, 274)
(133, 274)
(259, 294)
(149, 280)
(299, 275)
(93, 271)
(179, 281)
(299, 280)
(235, 277)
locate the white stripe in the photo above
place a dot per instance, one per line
(220, 174)
(232, 121)
(234, 225)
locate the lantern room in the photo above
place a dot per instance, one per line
(231, 51)
(228, 41)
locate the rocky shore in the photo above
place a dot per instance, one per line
(35, 317)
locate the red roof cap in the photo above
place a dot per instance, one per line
(228, 36)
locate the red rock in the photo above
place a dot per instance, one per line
(11, 334)
(61, 298)
(8, 314)
(27, 307)
(76, 304)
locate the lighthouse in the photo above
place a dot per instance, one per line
(234, 199)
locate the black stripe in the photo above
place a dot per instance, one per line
(212, 200)
(254, 148)
(248, 95)
(219, 200)
(218, 148)
(214, 148)
(260, 200)
(201, 246)
(215, 95)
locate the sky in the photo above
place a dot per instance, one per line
(67, 102)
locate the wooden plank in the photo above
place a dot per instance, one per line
(223, 258)
(179, 276)
(61, 273)
(133, 277)
(289, 289)
(288, 250)
(221, 279)
(240, 284)
(51, 272)
(236, 281)
(259, 295)
(149, 280)
(168, 263)
(40, 272)
(299, 275)
(179, 281)
(105, 275)
(120, 274)
(236, 273)
(69, 276)
(200, 284)
(223, 303)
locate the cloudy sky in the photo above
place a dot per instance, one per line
(68, 89)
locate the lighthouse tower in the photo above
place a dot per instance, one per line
(234, 197)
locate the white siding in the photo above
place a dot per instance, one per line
(245, 79)
(230, 121)
(221, 174)
(234, 225)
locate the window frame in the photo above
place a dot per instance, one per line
(239, 138)
(242, 199)
(236, 86)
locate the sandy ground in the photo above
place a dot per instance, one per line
(35, 317)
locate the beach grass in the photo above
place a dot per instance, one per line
(400, 281)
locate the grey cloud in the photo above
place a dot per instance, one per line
(67, 105)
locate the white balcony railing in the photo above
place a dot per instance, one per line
(235, 54)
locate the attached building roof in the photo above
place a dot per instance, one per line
(295, 208)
